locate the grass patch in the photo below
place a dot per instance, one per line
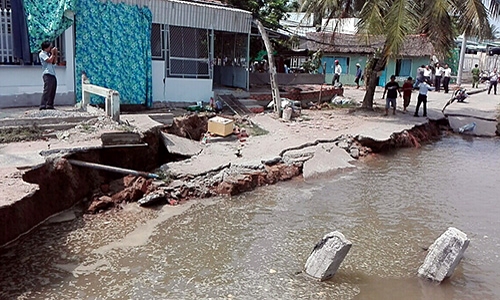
(165, 177)
(87, 128)
(253, 130)
(11, 135)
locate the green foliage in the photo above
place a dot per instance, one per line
(164, 176)
(312, 65)
(269, 12)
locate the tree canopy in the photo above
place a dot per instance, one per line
(440, 20)
(269, 12)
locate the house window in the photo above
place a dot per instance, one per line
(188, 52)
(7, 53)
(157, 41)
(403, 67)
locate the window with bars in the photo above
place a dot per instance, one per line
(157, 41)
(7, 56)
(188, 52)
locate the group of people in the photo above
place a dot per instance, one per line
(442, 76)
(392, 89)
(490, 77)
(337, 70)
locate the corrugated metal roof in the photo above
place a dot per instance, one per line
(196, 15)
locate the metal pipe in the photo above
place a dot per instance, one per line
(112, 169)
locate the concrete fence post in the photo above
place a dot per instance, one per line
(444, 255)
(327, 255)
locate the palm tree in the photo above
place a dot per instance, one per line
(440, 20)
(329, 9)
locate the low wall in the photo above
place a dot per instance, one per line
(287, 79)
(22, 86)
(326, 94)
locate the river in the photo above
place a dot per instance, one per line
(254, 246)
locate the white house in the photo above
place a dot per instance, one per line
(195, 47)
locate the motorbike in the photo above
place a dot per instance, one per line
(484, 76)
(459, 95)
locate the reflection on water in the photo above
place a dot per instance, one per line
(253, 246)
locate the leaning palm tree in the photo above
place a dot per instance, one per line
(440, 20)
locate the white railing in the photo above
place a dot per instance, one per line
(112, 98)
(6, 39)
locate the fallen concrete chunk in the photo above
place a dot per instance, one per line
(327, 255)
(444, 255)
(180, 145)
(152, 199)
(120, 138)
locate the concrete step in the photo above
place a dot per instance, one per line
(29, 122)
(252, 105)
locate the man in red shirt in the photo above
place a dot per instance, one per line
(407, 89)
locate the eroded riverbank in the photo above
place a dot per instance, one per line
(252, 245)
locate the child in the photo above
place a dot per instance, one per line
(407, 89)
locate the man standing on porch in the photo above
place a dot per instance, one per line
(48, 58)
(337, 70)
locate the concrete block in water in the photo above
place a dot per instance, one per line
(444, 255)
(327, 255)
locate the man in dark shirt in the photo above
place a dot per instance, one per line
(392, 89)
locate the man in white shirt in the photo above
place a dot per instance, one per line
(446, 78)
(493, 81)
(438, 76)
(336, 72)
(424, 87)
(48, 57)
(427, 73)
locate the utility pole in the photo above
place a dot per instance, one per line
(461, 61)
(272, 70)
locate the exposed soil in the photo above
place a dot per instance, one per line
(57, 179)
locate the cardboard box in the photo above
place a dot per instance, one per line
(220, 126)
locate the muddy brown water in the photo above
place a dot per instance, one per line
(252, 246)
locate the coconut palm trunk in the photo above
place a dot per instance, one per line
(272, 71)
(374, 67)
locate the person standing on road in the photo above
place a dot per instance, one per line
(392, 89)
(337, 70)
(424, 87)
(48, 57)
(419, 77)
(446, 78)
(475, 75)
(493, 81)
(359, 73)
(427, 73)
(407, 89)
(438, 76)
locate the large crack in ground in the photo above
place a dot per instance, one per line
(62, 185)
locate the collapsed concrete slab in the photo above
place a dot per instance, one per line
(444, 255)
(327, 159)
(180, 145)
(327, 255)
